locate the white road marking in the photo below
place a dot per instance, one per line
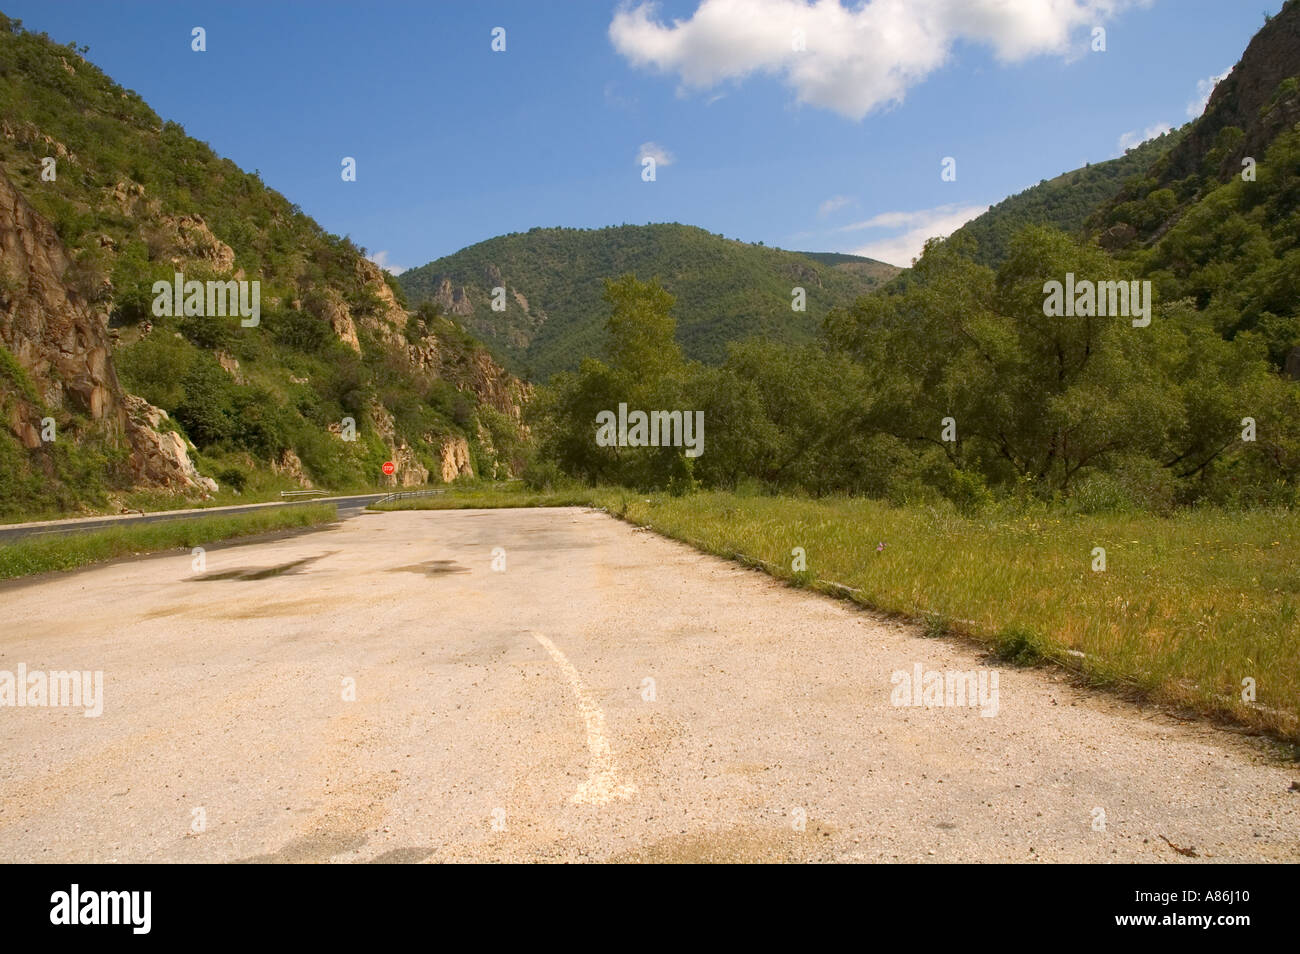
(602, 785)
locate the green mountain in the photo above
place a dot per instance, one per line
(1065, 202)
(553, 279)
(1216, 219)
(101, 199)
(1208, 212)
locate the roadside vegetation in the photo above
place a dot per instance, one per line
(66, 552)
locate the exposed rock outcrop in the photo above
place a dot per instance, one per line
(329, 306)
(1245, 99)
(389, 313)
(29, 134)
(455, 459)
(289, 465)
(496, 387)
(160, 455)
(195, 242)
(64, 348)
(452, 300)
(229, 364)
(409, 471)
(65, 351)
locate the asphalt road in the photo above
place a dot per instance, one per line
(347, 506)
(378, 691)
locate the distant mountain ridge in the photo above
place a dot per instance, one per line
(725, 290)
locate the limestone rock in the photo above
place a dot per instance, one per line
(65, 351)
(160, 456)
(331, 307)
(290, 466)
(64, 348)
(452, 301)
(455, 459)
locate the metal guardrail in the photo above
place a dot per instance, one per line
(303, 493)
(405, 494)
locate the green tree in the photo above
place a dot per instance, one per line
(641, 328)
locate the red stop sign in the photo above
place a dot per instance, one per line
(389, 467)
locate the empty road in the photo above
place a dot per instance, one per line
(380, 691)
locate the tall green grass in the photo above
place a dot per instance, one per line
(65, 552)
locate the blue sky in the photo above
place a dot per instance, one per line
(834, 147)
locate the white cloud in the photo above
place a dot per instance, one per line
(854, 59)
(919, 225)
(1203, 90)
(658, 153)
(834, 204)
(1134, 138)
(381, 259)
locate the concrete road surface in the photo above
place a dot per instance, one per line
(379, 692)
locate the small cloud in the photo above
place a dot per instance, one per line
(1203, 90)
(658, 153)
(919, 225)
(834, 204)
(919, 218)
(381, 259)
(1134, 138)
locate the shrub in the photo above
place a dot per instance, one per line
(543, 475)
(1020, 646)
(233, 477)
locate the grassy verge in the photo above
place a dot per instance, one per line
(489, 495)
(41, 554)
(265, 490)
(1186, 609)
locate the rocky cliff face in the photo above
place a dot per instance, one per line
(1246, 99)
(452, 300)
(65, 352)
(475, 373)
(64, 349)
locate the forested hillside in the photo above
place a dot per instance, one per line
(1207, 212)
(1065, 202)
(725, 290)
(131, 199)
(1216, 220)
